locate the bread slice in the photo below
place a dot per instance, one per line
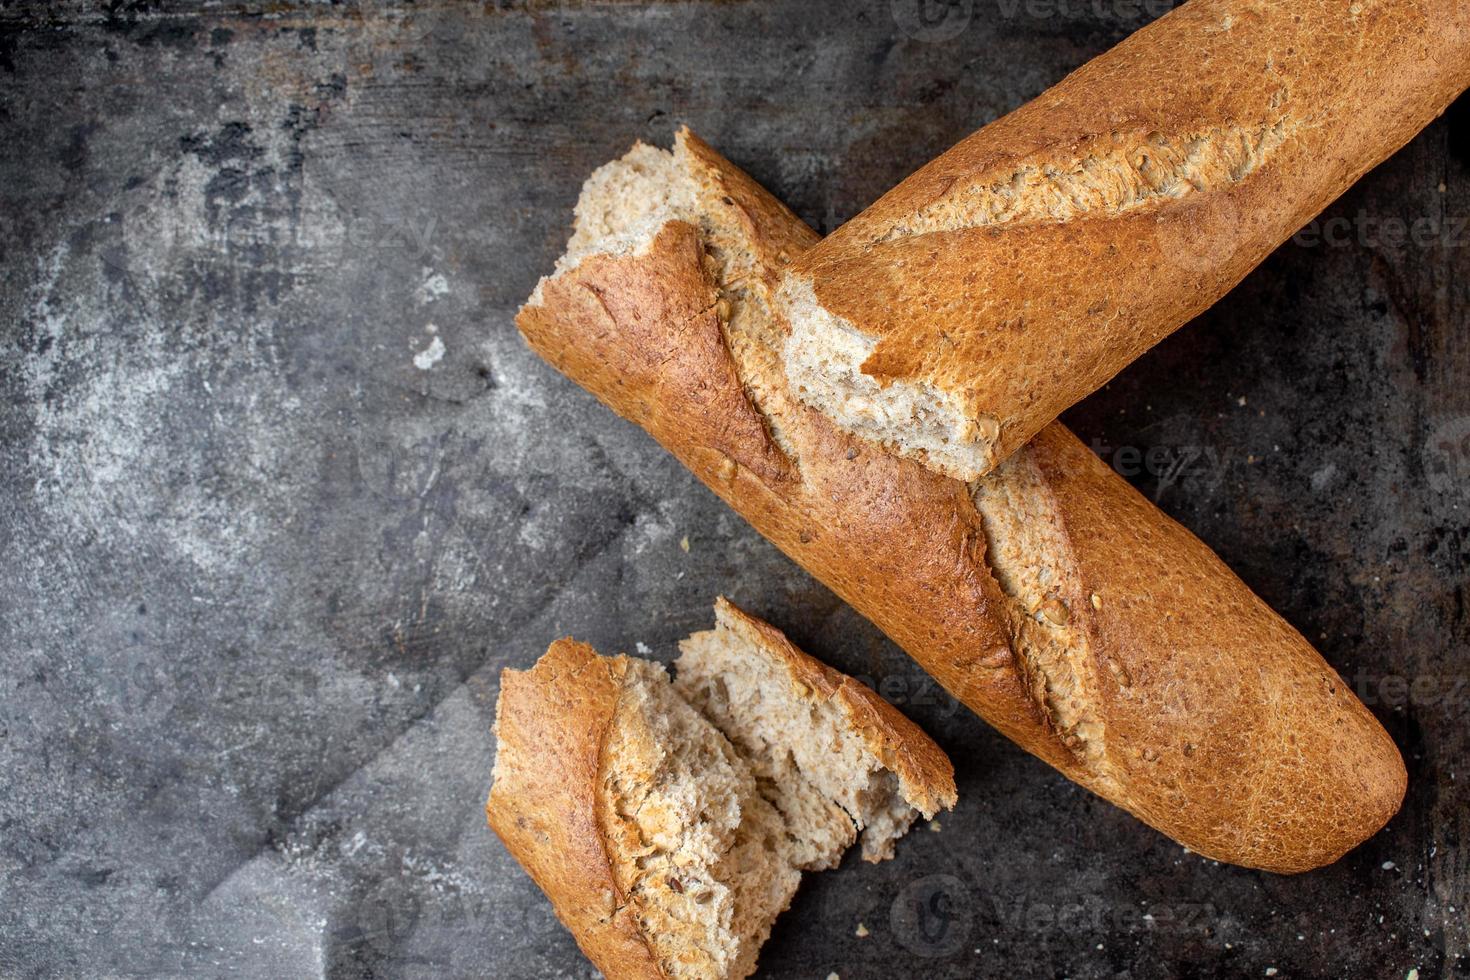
(1021, 270)
(669, 822)
(1049, 597)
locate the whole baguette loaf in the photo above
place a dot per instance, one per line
(1051, 598)
(1021, 270)
(669, 823)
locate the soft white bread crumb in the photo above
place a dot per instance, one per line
(692, 838)
(823, 357)
(822, 773)
(623, 205)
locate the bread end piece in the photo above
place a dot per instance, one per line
(669, 831)
(828, 364)
(636, 817)
(551, 723)
(621, 208)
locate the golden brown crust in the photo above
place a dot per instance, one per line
(777, 235)
(662, 305)
(1021, 315)
(1217, 711)
(925, 774)
(906, 547)
(552, 723)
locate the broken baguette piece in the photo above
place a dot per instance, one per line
(1022, 269)
(669, 823)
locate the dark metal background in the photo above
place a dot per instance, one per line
(261, 571)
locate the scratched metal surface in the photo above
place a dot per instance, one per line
(282, 491)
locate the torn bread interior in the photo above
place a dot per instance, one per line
(702, 798)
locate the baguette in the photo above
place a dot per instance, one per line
(1051, 598)
(669, 823)
(1025, 267)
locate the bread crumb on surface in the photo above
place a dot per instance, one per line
(684, 543)
(861, 932)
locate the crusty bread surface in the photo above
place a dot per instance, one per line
(669, 823)
(1050, 597)
(1022, 269)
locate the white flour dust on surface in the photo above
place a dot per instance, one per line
(161, 414)
(429, 356)
(433, 286)
(156, 420)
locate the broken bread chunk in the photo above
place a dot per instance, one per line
(669, 822)
(1018, 272)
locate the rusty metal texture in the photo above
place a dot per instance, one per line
(282, 491)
